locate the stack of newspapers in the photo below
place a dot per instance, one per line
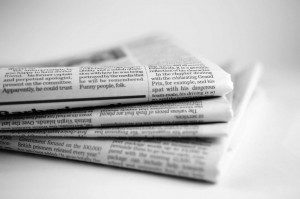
(148, 104)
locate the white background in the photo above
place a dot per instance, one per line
(267, 164)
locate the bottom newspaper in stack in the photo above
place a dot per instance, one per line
(189, 156)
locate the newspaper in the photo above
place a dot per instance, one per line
(193, 111)
(190, 158)
(246, 83)
(164, 131)
(146, 70)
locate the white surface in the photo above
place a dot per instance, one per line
(267, 162)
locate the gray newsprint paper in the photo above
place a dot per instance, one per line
(195, 159)
(147, 70)
(164, 131)
(186, 112)
(190, 158)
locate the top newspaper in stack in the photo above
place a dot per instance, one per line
(150, 69)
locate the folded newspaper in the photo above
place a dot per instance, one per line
(195, 111)
(153, 69)
(186, 137)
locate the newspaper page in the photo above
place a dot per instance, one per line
(246, 83)
(128, 74)
(192, 158)
(196, 159)
(184, 112)
(164, 131)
